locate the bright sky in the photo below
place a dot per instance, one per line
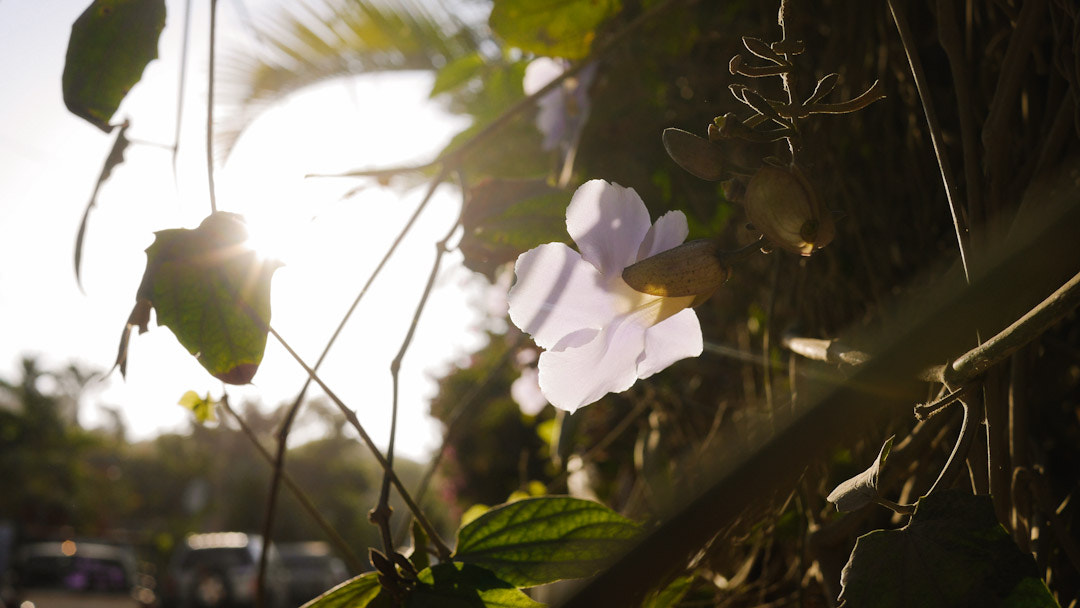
(49, 162)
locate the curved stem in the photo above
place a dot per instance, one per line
(955, 464)
(210, 118)
(381, 514)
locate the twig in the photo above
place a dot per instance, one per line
(355, 564)
(381, 514)
(286, 425)
(788, 78)
(181, 86)
(829, 351)
(954, 465)
(350, 416)
(951, 40)
(1023, 330)
(923, 88)
(894, 506)
(924, 411)
(210, 134)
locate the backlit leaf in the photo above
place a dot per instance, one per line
(110, 45)
(358, 592)
(952, 553)
(212, 291)
(861, 489)
(202, 407)
(560, 28)
(541, 540)
(456, 585)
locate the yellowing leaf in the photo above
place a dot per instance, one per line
(559, 28)
(202, 407)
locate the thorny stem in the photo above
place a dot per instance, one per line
(210, 119)
(350, 415)
(921, 86)
(355, 564)
(286, 425)
(381, 514)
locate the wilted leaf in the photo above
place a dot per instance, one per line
(504, 218)
(562, 28)
(359, 592)
(861, 489)
(115, 157)
(456, 585)
(212, 291)
(110, 45)
(952, 553)
(541, 540)
(202, 407)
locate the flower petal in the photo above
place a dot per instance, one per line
(578, 376)
(557, 293)
(608, 223)
(540, 72)
(526, 392)
(670, 340)
(669, 231)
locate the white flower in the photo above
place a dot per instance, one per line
(601, 335)
(563, 111)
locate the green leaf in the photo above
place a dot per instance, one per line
(861, 489)
(952, 553)
(457, 73)
(212, 291)
(541, 540)
(557, 28)
(456, 585)
(357, 592)
(670, 595)
(504, 218)
(110, 45)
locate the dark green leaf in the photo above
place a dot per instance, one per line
(110, 45)
(861, 489)
(358, 592)
(504, 218)
(541, 540)
(115, 157)
(456, 585)
(559, 28)
(212, 291)
(952, 553)
(670, 595)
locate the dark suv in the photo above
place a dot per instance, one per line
(220, 570)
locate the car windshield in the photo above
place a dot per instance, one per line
(73, 573)
(215, 558)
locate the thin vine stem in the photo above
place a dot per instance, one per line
(354, 562)
(947, 177)
(440, 546)
(210, 112)
(382, 512)
(290, 416)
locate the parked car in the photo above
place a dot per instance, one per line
(220, 570)
(77, 574)
(312, 568)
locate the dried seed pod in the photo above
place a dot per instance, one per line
(782, 204)
(691, 269)
(697, 155)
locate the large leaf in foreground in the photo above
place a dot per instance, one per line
(952, 553)
(212, 291)
(541, 540)
(110, 45)
(559, 28)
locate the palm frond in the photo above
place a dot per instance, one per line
(317, 40)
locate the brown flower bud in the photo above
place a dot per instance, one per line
(782, 204)
(691, 269)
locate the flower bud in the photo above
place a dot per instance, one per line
(691, 269)
(781, 204)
